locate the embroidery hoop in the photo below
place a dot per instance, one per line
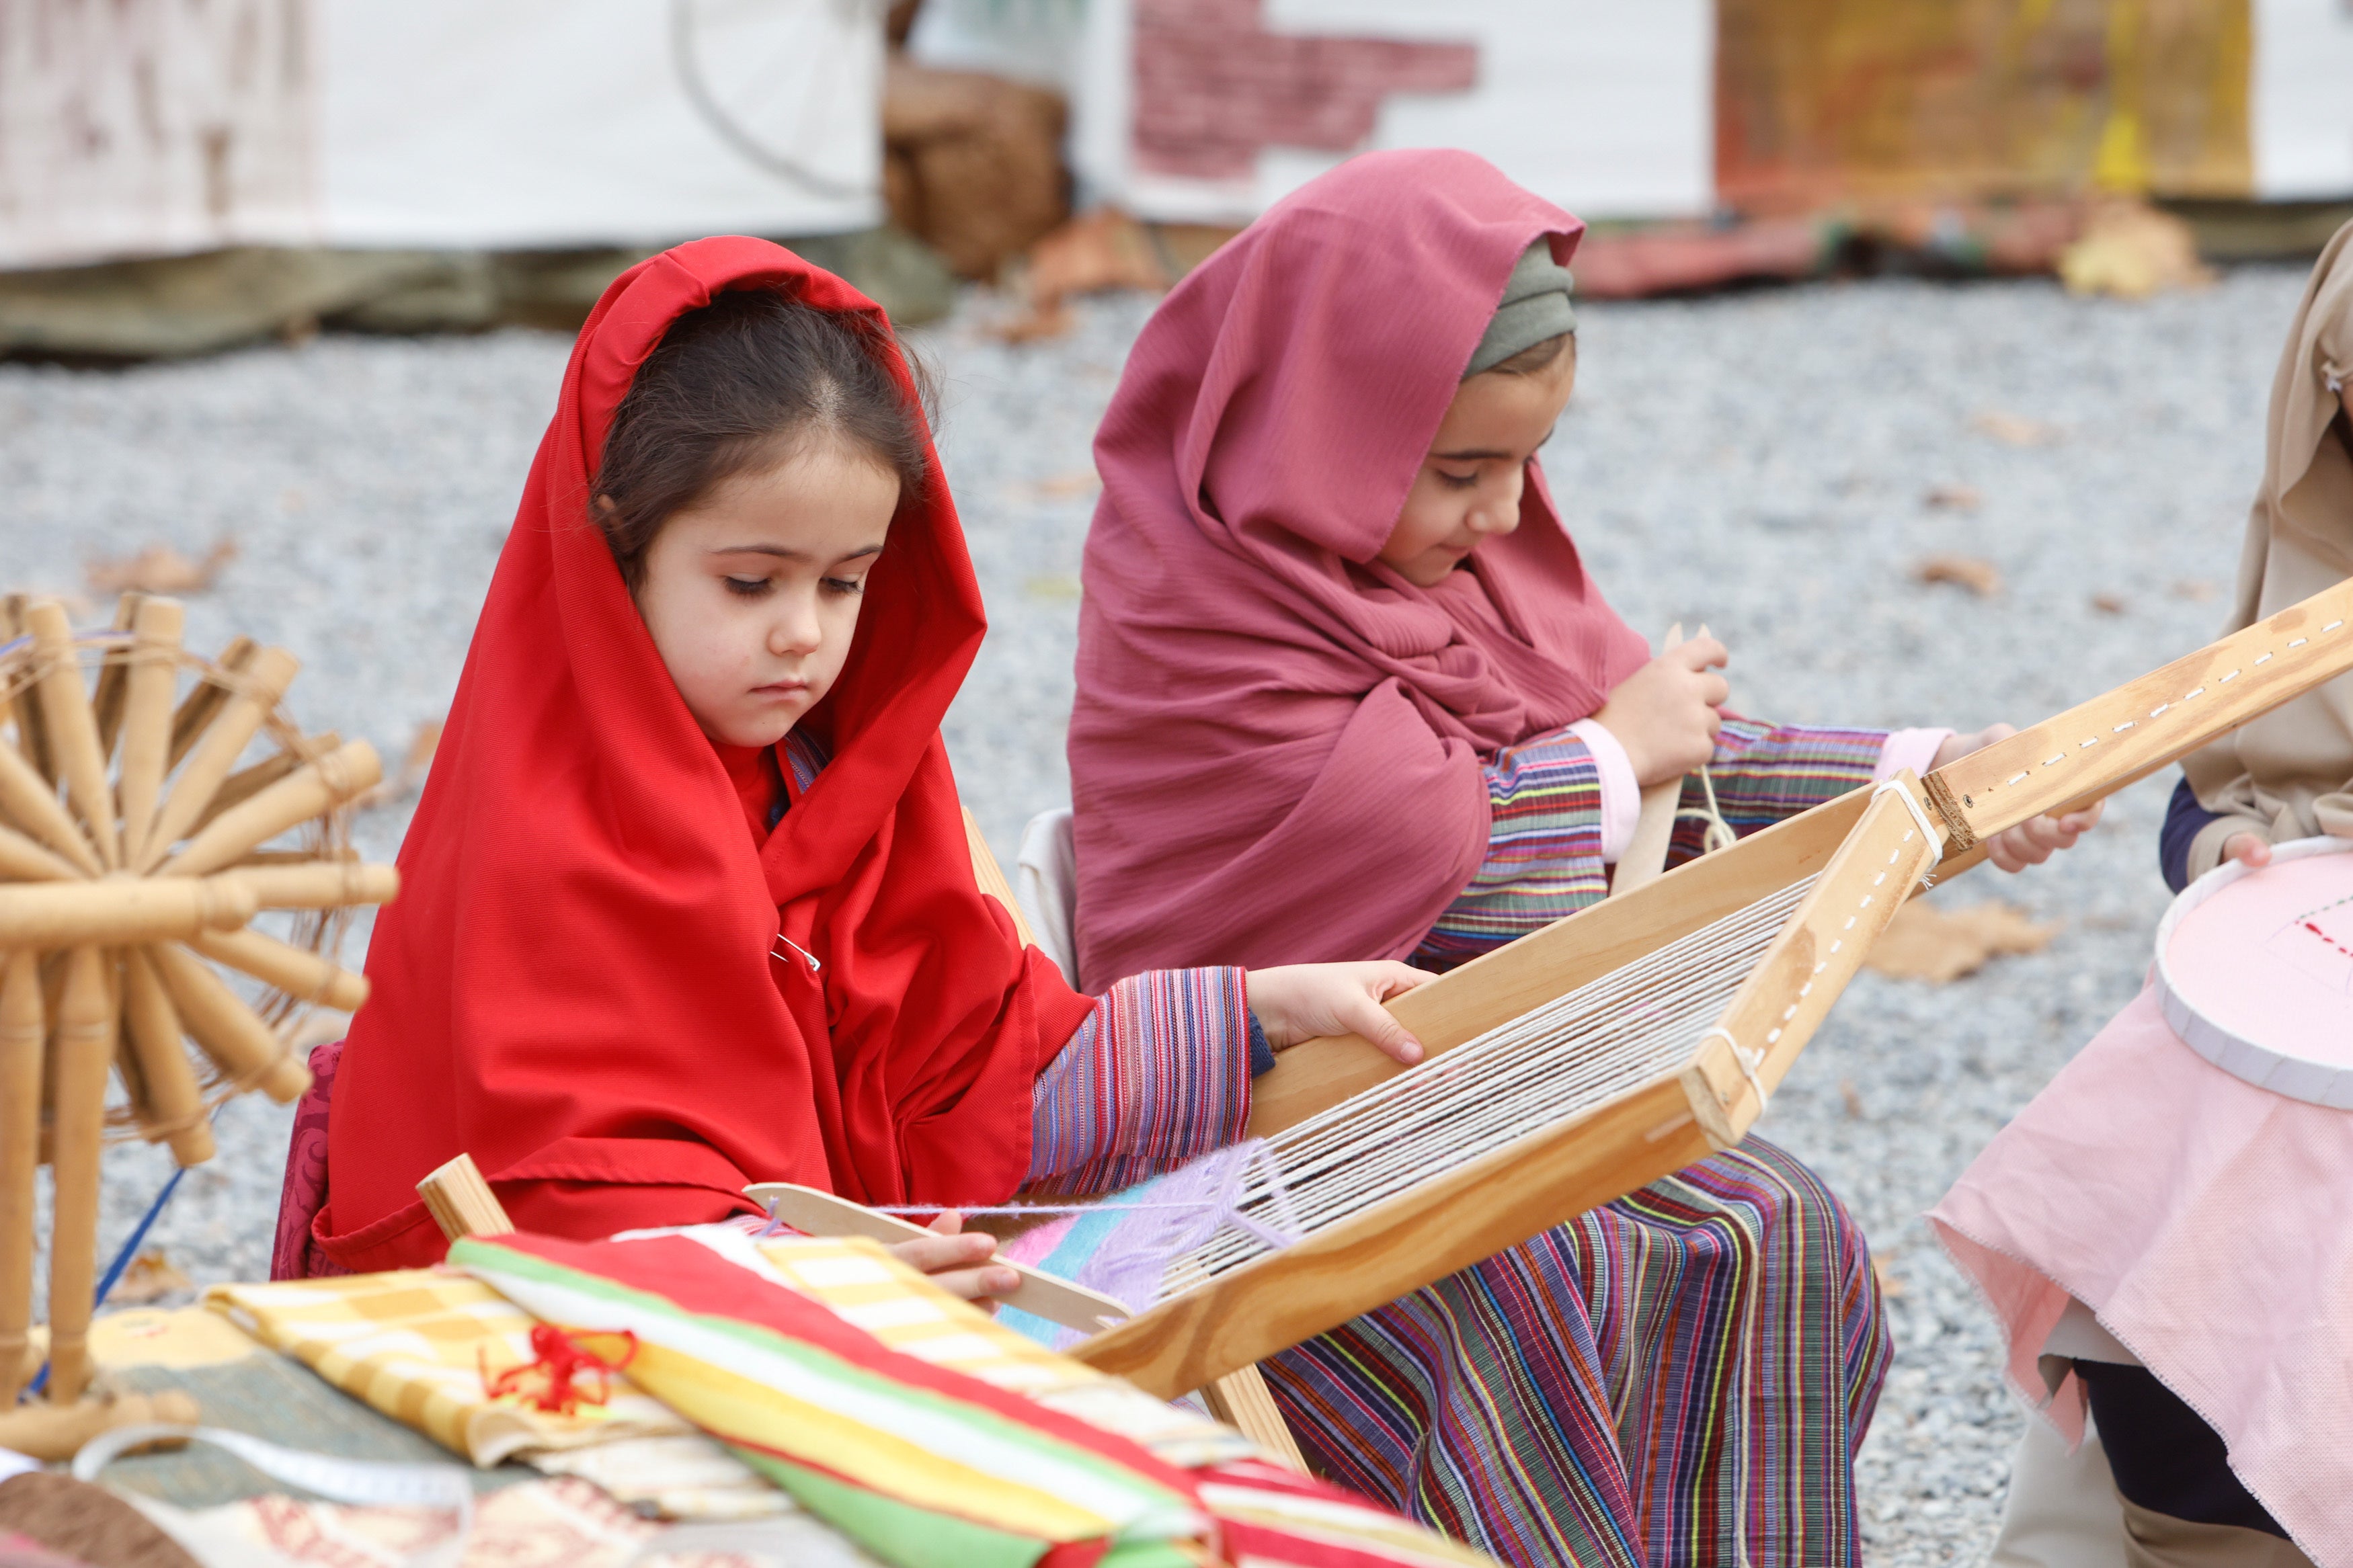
(2265, 1064)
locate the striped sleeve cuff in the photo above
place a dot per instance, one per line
(1158, 1073)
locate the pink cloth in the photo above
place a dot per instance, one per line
(2204, 1222)
(1914, 749)
(1622, 792)
(1259, 699)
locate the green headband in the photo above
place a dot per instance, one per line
(1536, 307)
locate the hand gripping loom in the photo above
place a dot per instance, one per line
(1643, 1033)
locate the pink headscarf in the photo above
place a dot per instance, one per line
(1275, 752)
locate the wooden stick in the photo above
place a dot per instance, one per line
(321, 885)
(173, 1101)
(2098, 747)
(73, 730)
(106, 701)
(54, 1433)
(23, 1030)
(461, 1202)
(32, 735)
(816, 1213)
(153, 675)
(1241, 1400)
(303, 975)
(31, 801)
(246, 783)
(85, 1051)
(991, 877)
(51, 915)
(210, 760)
(204, 700)
(22, 860)
(1654, 830)
(310, 791)
(247, 1048)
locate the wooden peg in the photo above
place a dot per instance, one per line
(113, 671)
(73, 729)
(991, 877)
(52, 915)
(85, 1053)
(152, 676)
(196, 709)
(23, 860)
(211, 758)
(30, 800)
(303, 975)
(309, 791)
(461, 1202)
(245, 1048)
(1241, 1400)
(175, 1108)
(316, 886)
(246, 783)
(32, 735)
(22, 1029)
(1645, 857)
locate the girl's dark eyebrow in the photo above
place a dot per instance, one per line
(782, 553)
(1484, 454)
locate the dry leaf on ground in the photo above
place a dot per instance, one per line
(1889, 1286)
(160, 569)
(2197, 590)
(414, 766)
(1978, 576)
(1955, 498)
(1853, 1098)
(1923, 943)
(2132, 250)
(2108, 604)
(151, 1278)
(2015, 429)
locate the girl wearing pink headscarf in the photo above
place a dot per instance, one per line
(1344, 689)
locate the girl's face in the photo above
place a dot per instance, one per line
(1469, 487)
(752, 594)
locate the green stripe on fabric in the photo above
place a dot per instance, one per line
(899, 1533)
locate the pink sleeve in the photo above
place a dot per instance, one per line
(1621, 793)
(1914, 749)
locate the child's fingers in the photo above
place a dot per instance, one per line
(2247, 849)
(1389, 978)
(978, 1284)
(939, 1254)
(1699, 653)
(947, 1222)
(1363, 1015)
(1714, 690)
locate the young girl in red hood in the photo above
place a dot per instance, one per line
(687, 903)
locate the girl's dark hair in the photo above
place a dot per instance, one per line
(738, 386)
(1536, 357)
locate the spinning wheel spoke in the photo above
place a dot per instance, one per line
(116, 891)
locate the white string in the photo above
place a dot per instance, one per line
(1911, 804)
(1600, 1040)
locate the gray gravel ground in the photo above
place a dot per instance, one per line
(1759, 461)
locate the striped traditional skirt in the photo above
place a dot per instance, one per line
(1681, 1377)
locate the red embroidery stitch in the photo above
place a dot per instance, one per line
(559, 1357)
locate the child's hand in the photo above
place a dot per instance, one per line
(2030, 843)
(1304, 1001)
(957, 1259)
(2247, 849)
(1666, 714)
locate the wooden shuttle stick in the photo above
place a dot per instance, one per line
(212, 757)
(31, 802)
(307, 792)
(63, 914)
(461, 1202)
(147, 717)
(816, 1213)
(85, 1053)
(245, 1047)
(22, 1030)
(1645, 858)
(318, 886)
(21, 859)
(73, 730)
(303, 975)
(154, 1030)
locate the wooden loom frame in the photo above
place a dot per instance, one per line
(1857, 844)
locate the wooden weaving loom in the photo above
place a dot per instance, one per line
(1636, 1036)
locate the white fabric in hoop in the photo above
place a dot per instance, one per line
(2255, 970)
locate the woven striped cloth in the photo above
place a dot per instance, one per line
(413, 1344)
(929, 1449)
(1544, 848)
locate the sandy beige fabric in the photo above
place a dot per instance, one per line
(2156, 1541)
(2289, 774)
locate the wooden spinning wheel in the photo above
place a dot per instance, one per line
(151, 803)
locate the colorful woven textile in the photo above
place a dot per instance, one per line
(953, 1443)
(414, 1345)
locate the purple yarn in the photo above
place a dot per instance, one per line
(1185, 1209)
